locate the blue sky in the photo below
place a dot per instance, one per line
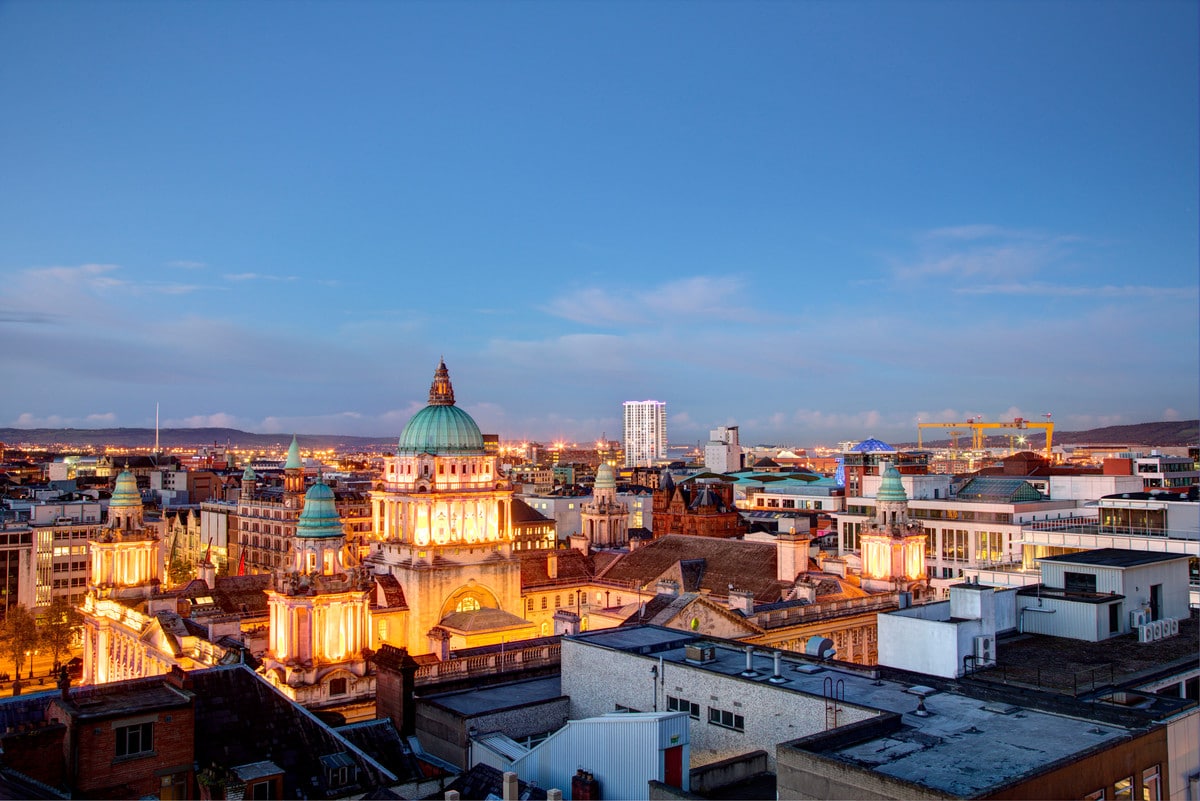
(817, 221)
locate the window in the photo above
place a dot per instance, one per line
(136, 739)
(337, 686)
(262, 791)
(1096, 796)
(726, 719)
(1151, 784)
(1123, 788)
(543, 601)
(683, 705)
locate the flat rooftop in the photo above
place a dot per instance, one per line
(973, 741)
(498, 696)
(1113, 557)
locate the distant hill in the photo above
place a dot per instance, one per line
(1167, 434)
(181, 438)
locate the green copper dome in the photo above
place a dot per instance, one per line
(248, 474)
(890, 489)
(441, 427)
(125, 492)
(320, 518)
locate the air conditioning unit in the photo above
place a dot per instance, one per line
(1145, 633)
(1138, 618)
(985, 648)
(1174, 627)
(1158, 629)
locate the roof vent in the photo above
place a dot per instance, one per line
(700, 653)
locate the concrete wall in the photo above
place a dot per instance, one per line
(923, 644)
(597, 679)
(806, 775)
(710, 777)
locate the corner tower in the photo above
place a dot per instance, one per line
(893, 548)
(320, 622)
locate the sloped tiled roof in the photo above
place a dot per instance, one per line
(380, 740)
(524, 513)
(748, 565)
(240, 718)
(392, 591)
(486, 619)
(573, 565)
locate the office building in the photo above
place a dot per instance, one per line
(645, 432)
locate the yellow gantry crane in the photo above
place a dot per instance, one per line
(978, 429)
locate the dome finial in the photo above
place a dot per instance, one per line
(441, 392)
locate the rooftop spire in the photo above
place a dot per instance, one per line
(293, 455)
(441, 393)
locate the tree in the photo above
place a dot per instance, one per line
(18, 634)
(180, 571)
(62, 618)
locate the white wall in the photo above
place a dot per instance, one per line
(912, 639)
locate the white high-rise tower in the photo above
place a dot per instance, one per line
(645, 432)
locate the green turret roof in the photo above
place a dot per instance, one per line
(890, 489)
(320, 518)
(125, 492)
(248, 474)
(293, 458)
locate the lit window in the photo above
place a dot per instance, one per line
(1151, 784)
(469, 603)
(1123, 788)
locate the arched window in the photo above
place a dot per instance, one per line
(469, 603)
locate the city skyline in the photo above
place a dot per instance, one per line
(813, 221)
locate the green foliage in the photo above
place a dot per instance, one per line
(58, 628)
(180, 571)
(18, 634)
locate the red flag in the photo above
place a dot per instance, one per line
(242, 564)
(208, 553)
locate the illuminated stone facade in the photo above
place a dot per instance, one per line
(443, 520)
(893, 547)
(319, 610)
(604, 519)
(126, 569)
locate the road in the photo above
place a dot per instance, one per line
(43, 666)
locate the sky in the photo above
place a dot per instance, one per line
(817, 221)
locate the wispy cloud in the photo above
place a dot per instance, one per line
(686, 299)
(259, 277)
(183, 264)
(1064, 290)
(94, 420)
(981, 251)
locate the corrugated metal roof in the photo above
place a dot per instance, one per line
(502, 744)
